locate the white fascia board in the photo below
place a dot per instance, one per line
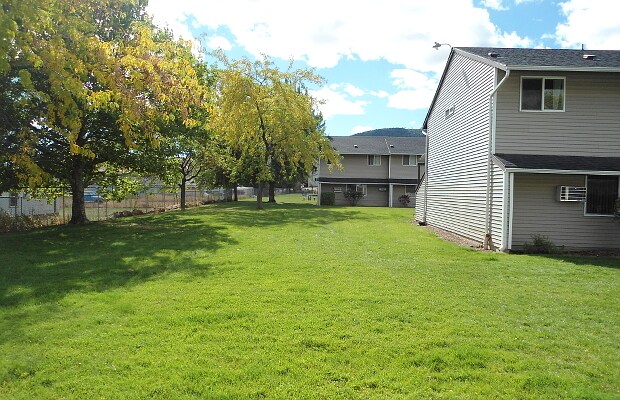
(562, 171)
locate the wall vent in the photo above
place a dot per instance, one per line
(589, 57)
(571, 193)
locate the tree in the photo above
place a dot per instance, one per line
(266, 114)
(96, 79)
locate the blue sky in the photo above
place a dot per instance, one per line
(377, 56)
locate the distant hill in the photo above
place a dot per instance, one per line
(394, 132)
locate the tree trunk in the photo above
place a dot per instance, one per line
(183, 187)
(259, 196)
(78, 211)
(235, 194)
(272, 192)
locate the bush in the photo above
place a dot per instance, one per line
(404, 200)
(541, 245)
(328, 198)
(26, 222)
(353, 196)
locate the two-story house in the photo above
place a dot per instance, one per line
(525, 142)
(383, 168)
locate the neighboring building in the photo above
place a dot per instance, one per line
(525, 142)
(384, 168)
(16, 204)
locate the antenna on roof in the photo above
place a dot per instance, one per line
(583, 47)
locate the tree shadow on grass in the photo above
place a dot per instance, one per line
(606, 260)
(244, 213)
(46, 264)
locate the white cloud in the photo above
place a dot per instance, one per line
(361, 128)
(335, 102)
(379, 93)
(353, 90)
(416, 90)
(219, 42)
(589, 22)
(494, 5)
(400, 31)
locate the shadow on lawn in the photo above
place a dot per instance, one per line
(602, 260)
(244, 213)
(46, 264)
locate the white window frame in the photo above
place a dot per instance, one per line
(412, 157)
(358, 188)
(414, 188)
(542, 104)
(375, 157)
(585, 203)
(13, 199)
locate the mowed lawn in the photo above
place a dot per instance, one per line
(298, 301)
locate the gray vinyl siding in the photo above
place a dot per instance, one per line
(374, 196)
(419, 201)
(587, 127)
(497, 207)
(400, 171)
(397, 191)
(537, 211)
(356, 166)
(458, 149)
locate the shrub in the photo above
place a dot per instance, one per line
(404, 200)
(9, 223)
(353, 196)
(541, 245)
(328, 198)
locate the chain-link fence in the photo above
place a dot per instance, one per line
(57, 210)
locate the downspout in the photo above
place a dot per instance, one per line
(487, 237)
(387, 146)
(423, 222)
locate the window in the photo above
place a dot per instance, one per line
(13, 200)
(358, 188)
(410, 189)
(410, 160)
(374, 159)
(601, 194)
(542, 94)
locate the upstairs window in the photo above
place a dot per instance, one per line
(601, 194)
(374, 159)
(542, 94)
(410, 160)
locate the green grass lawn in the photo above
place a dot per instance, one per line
(298, 301)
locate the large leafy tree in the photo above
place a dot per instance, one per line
(265, 114)
(97, 80)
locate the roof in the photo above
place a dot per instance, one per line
(382, 145)
(555, 163)
(534, 60)
(546, 59)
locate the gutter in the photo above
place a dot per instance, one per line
(423, 222)
(492, 105)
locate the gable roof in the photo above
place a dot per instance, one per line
(383, 145)
(545, 59)
(534, 60)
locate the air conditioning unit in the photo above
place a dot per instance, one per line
(571, 193)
